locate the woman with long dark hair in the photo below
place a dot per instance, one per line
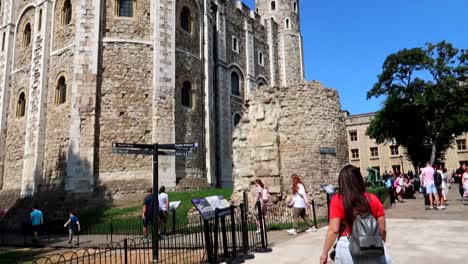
(262, 196)
(351, 201)
(300, 203)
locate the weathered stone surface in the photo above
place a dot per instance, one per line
(297, 122)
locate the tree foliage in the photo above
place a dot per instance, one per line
(426, 105)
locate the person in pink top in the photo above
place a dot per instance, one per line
(428, 183)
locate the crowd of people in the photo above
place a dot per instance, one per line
(432, 183)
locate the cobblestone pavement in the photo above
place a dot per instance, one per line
(414, 236)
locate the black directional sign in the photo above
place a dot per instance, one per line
(156, 150)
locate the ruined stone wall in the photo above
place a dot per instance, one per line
(282, 132)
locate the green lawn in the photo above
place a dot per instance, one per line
(128, 219)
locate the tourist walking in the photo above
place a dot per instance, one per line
(350, 204)
(37, 220)
(439, 181)
(73, 228)
(458, 179)
(445, 184)
(299, 203)
(428, 183)
(465, 184)
(262, 196)
(163, 198)
(391, 192)
(147, 213)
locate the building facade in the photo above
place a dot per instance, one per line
(76, 76)
(365, 153)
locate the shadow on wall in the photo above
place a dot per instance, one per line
(54, 201)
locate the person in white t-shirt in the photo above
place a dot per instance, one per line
(300, 203)
(163, 209)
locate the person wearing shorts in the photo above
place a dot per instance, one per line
(37, 221)
(147, 214)
(428, 183)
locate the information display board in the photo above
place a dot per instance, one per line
(329, 189)
(173, 205)
(206, 206)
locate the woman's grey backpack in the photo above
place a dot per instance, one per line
(366, 239)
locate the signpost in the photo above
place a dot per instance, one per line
(156, 150)
(208, 205)
(330, 190)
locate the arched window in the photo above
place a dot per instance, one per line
(61, 91)
(27, 35)
(295, 6)
(235, 84)
(124, 8)
(186, 94)
(39, 21)
(260, 84)
(185, 20)
(236, 119)
(66, 12)
(273, 6)
(287, 23)
(21, 105)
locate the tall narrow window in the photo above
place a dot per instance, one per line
(287, 23)
(260, 58)
(21, 105)
(3, 41)
(187, 94)
(185, 20)
(235, 83)
(39, 21)
(66, 12)
(235, 44)
(295, 6)
(125, 8)
(27, 35)
(61, 91)
(273, 5)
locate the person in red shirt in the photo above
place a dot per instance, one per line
(352, 200)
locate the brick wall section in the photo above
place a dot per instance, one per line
(282, 132)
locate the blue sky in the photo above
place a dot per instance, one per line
(346, 42)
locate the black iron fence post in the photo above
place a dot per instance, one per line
(264, 248)
(216, 238)
(209, 249)
(125, 251)
(245, 234)
(173, 221)
(328, 207)
(234, 257)
(111, 232)
(224, 237)
(314, 214)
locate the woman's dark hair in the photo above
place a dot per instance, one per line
(259, 182)
(162, 189)
(352, 191)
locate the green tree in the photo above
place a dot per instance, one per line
(426, 105)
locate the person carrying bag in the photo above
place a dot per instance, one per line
(358, 219)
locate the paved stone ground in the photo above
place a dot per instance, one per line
(414, 236)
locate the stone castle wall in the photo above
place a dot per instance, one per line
(124, 78)
(282, 132)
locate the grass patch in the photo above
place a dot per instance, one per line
(13, 256)
(128, 219)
